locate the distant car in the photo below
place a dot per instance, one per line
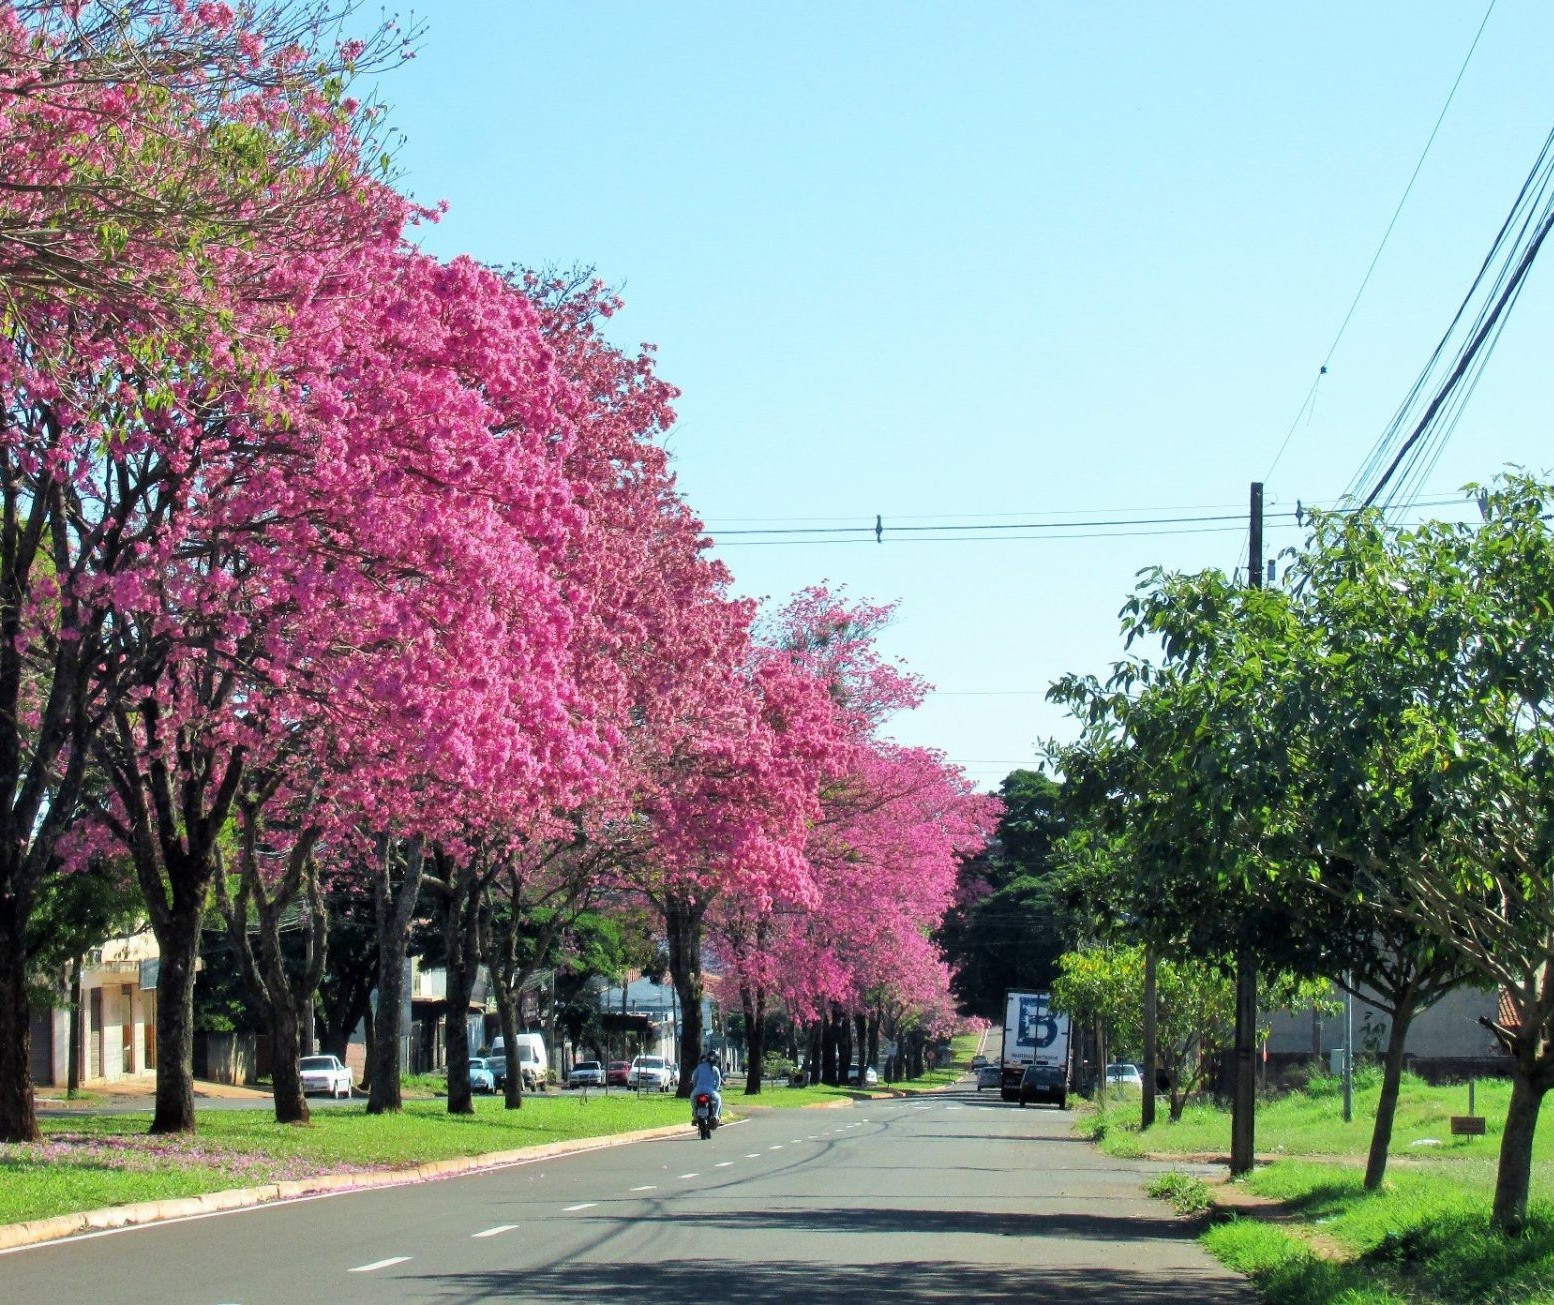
(989, 1076)
(481, 1079)
(586, 1073)
(616, 1073)
(1045, 1083)
(1124, 1075)
(648, 1072)
(325, 1074)
(977, 1062)
(866, 1077)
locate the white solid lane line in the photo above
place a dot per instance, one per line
(492, 1232)
(379, 1264)
(586, 1205)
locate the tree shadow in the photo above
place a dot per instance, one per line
(907, 1282)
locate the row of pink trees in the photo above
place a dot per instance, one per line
(325, 565)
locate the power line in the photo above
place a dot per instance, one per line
(1385, 237)
(1495, 291)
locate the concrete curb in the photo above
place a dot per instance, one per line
(36, 1231)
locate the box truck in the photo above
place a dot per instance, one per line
(1034, 1034)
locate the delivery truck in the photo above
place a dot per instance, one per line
(1034, 1034)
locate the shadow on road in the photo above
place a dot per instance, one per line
(836, 1284)
(930, 1223)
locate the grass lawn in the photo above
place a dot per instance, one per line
(103, 1160)
(94, 1161)
(1423, 1238)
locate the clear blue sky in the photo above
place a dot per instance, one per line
(1004, 261)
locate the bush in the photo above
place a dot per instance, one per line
(776, 1067)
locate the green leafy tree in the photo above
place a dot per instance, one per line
(1010, 923)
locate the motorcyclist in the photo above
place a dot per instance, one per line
(708, 1078)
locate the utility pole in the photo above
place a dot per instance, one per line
(1151, 1050)
(1243, 1102)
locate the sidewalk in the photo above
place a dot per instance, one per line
(98, 1093)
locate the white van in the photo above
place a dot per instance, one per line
(532, 1061)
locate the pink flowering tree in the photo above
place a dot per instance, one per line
(120, 234)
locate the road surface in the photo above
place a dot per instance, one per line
(951, 1197)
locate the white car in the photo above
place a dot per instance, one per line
(650, 1072)
(325, 1074)
(1124, 1075)
(586, 1073)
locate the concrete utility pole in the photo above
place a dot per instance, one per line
(1243, 1102)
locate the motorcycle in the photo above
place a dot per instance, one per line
(703, 1115)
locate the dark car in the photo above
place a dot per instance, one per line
(1045, 1083)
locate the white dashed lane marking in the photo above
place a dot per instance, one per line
(492, 1232)
(690, 1175)
(379, 1264)
(651, 1187)
(586, 1205)
(724, 1164)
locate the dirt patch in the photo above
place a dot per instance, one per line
(1233, 1198)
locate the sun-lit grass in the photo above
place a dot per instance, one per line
(1310, 1123)
(85, 1163)
(1423, 1238)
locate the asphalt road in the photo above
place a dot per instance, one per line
(954, 1197)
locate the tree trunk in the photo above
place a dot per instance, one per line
(179, 946)
(754, 1006)
(683, 920)
(73, 1055)
(18, 1115)
(461, 946)
(1244, 1101)
(1391, 1079)
(395, 906)
(291, 1103)
(828, 1050)
(814, 1051)
(1514, 1177)
(873, 1042)
(507, 1018)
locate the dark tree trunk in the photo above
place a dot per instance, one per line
(18, 1116)
(814, 1051)
(861, 1045)
(828, 1050)
(282, 997)
(507, 1018)
(753, 1001)
(73, 1055)
(874, 1036)
(1529, 1082)
(462, 887)
(1244, 1101)
(291, 1104)
(395, 906)
(844, 1045)
(179, 946)
(1391, 1079)
(683, 918)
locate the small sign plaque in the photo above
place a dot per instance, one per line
(1467, 1125)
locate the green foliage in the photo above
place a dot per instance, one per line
(1011, 922)
(1188, 1195)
